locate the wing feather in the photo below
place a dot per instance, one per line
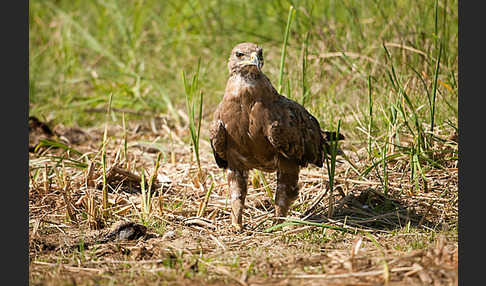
(218, 143)
(295, 133)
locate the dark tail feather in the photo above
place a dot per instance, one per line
(332, 135)
(329, 137)
(219, 161)
(328, 148)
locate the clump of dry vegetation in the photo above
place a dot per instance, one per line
(123, 188)
(407, 235)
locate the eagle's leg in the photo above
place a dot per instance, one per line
(287, 187)
(237, 180)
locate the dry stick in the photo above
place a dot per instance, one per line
(352, 274)
(144, 194)
(353, 166)
(88, 181)
(204, 203)
(67, 201)
(345, 54)
(171, 140)
(308, 212)
(151, 180)
(91, 210)
(125, 142)
(218, 242)
(406, 48)
(35, 228)
(105, 187)
(70, 268)
(32, 181)
(65, 189)
(160, 201)
(108, 261)
(47, 183)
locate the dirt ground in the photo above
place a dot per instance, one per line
(406, 235)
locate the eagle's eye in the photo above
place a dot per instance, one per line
(239, 54)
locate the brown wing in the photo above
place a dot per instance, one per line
(217, 138)
(295, 133)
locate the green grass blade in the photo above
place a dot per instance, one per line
(284, 47)
(55, 144)
(434, 91)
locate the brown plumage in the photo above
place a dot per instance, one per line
(255, 127)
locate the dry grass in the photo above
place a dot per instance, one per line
(406, 237)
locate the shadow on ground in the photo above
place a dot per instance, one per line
(371, 209)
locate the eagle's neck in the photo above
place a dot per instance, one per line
(241, 82)
(248, 75)
(248, 90)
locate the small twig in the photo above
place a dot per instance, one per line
(218, 242)
(351, 274)
(70, 268)
(308, 212)
(199, 221)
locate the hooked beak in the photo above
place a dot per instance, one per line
(254, 61)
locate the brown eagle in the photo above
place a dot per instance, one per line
(255, 127)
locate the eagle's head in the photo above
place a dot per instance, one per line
(246, 59)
